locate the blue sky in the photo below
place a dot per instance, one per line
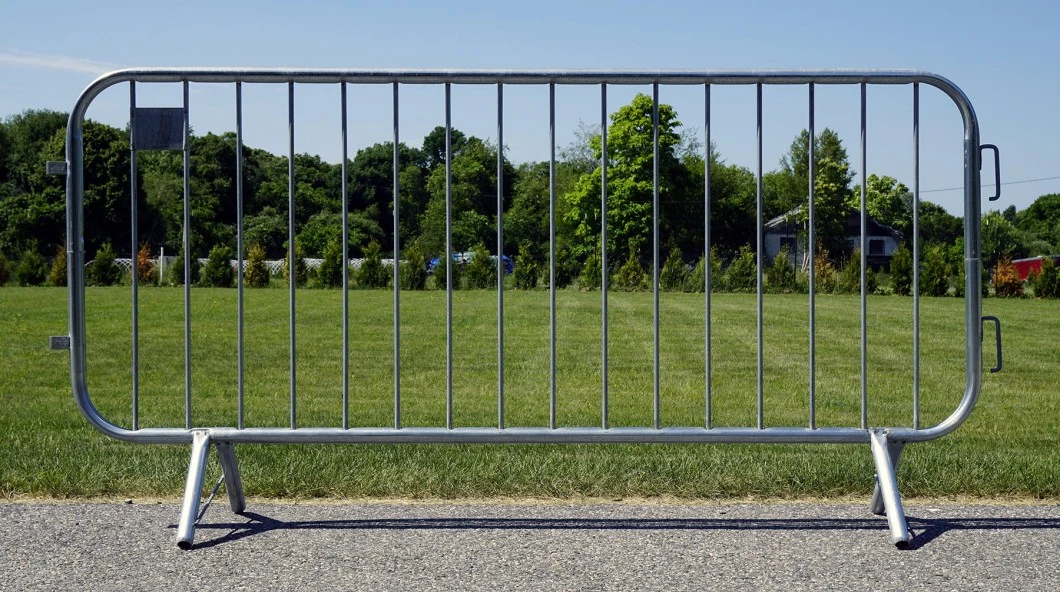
(1004, 55)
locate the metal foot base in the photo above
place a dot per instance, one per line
(894, 449)
(189, 510)
(887, 488)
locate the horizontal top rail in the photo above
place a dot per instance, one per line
(455, 76)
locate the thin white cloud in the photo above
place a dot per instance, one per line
(55, 62)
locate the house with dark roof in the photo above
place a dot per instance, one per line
(784, 230)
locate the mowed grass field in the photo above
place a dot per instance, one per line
(1010, 447)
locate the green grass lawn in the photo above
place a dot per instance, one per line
(1009, 447)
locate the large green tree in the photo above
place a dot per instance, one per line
(474, 200)
(630, 163)
(833, 196)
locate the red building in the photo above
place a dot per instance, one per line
(1032, 264)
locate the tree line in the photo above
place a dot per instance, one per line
(32, 204)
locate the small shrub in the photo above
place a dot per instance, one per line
(372, 273)
(217, 273)
(567, 267)
(414, 269)
(933, 277)
(175, 272)
(57, 275)
(330, 272)
(696, 280)
(5, 272)
(630, 277)
(674, 273)
(481, 272)
(456, 269)
(32, 269)
(257, 274)
(742, 274)
(526, 269)
(103, 271)
(849, 281)
(301, 274)
(824, 273)
(146, 270)
(780, 277)
(589, 279)
(902, 271)
(1007, 282)
(1046, 283)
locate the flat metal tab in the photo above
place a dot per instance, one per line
(55, 167)
(59, 342)
(158, 128)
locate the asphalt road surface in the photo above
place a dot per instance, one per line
(527, 546)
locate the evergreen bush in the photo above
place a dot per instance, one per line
(526, 269)
(330, 272)
(414, 269)
(630, 277)
(175, 272)
(934, 280)
(5, 271)
(217, 273)
(372, 273)
(1046, 283)
(301, 274)
(57, 275)
(103, 271)
(780, 277)
(674, 273)
(457, 270)
(32, 269)
(257, 274)
(742, 274)
(902, 271)
(481, 271)
(589, 279)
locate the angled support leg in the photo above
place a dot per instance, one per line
(189, 510)
(894, 449)
(226, 453)
(888, 488)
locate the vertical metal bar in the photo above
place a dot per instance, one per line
(916, 255)
(397, 279)
(187, 262)
(240, 386)
(291, 251)
(345, 263)
(758, 250)
(655, 251)
(603, 251)
(552, 255)
(706, 251)
(864, 264)
(133, 217)
(448, 259)
(500, 255)
(812, 250)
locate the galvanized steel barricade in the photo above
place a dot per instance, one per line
(169, 129)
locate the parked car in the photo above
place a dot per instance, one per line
(465, 258)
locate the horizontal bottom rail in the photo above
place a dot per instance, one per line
(517, 435)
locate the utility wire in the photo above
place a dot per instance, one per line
(991, 184)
